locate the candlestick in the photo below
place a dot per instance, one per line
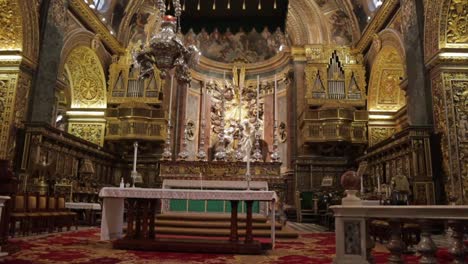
(201, 155)
(275, 104)
(362, 184)
(170, 96)
(378, 183)
(167, 153)
(183, 154)
(257, 152)
(134, 175)
(201, 181)
(258, 96)
(275, 155)
(247, 172)
(239, 155)
(135, 153)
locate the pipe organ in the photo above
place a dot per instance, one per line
(335, 95)
(134, 104)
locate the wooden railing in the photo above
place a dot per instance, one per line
(354, 245)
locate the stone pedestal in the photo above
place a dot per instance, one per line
(3, 199)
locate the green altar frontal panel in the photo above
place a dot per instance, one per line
(209, 206)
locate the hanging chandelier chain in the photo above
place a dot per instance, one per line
(162, 7)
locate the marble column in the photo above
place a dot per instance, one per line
(42, 103)
(419, 104)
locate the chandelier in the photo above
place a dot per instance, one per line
(166, 50)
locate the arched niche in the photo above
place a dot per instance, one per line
(87, 79)
(81, 37)
(388, 70)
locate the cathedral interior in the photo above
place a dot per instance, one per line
(306, 99)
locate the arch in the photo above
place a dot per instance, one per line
(387, 37)
(19, 32)
(30, 23)
(384, 93)
(87, 80)
(306, 24)
(80, 37)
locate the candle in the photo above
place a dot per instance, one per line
(378, 183)
(362, 184)
(202, 107)
(201, 181)
(275, 104)
(248, 162)
(170, 98)
(258, 96)
(240, 105)
(135, 151)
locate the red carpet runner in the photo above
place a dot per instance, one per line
(84, 247)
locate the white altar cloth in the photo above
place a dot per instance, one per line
(113, 203)
(84, 206)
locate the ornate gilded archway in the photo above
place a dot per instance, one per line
(88, 95)
(19, 45)
(385, 97)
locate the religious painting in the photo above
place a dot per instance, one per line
(242, 46)
(143, 23)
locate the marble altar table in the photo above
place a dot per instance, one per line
(141, 213)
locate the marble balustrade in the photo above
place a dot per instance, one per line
(354, 245)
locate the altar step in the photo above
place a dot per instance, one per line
(215, 225)
(256, 218)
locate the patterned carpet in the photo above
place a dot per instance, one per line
(83, 246)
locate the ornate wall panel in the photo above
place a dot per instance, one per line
(92, 132)
(450, 99)
(87, 79)
(11, 30)
(384, 88)
(377, 134)
(7, 97)
(453, 28)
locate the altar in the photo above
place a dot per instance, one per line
(141, 233)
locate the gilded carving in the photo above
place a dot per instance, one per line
(457, 22)
(384, 88)
(378, 134)
(449, 90)
(389, 89)
(86, 78)
(91, 132)
(11, 30)
(7, 97)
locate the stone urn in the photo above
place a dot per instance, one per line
(351, 182)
